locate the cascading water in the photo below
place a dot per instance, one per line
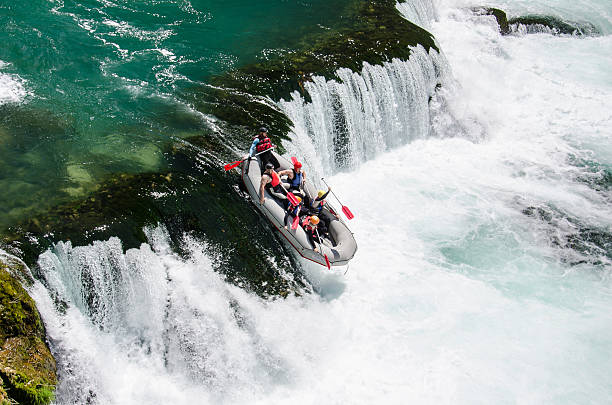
(459, 292)
(419, 12)
(365, 113)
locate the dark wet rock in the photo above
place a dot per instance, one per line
(554, 25)
(594, 174)
(592, 244)
(191, 193)
(27, 367)
(531, 24)
(370, 31)
(190, 198)
(500, 16)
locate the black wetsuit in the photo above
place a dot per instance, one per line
(267, 157)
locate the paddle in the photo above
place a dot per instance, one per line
(321, 251)
(345, 209)
(295, 222)
(230, 166)
(293, 160)
(290, 196)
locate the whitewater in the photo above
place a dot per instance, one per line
(465, 288)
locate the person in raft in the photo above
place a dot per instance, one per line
(316, 208)
(296, 178)
(317, 204)
(270, 180)
(261, 143)
(293, 210)
(313, 231)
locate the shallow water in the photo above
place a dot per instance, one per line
(483, 270)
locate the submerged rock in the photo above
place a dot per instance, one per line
(199, 200)
(27, 367)
(590, 244)
(500, 16)
(549, 24)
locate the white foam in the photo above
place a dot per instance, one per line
(419, 12)
(366, 112)
(12, 87)
(455, 295)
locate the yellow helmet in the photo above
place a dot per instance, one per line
(314, 219)
(298, 198)
(320, 194)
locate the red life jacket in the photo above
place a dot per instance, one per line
(275, 179)
(264, 144)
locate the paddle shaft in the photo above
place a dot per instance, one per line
(230, 166)
(331, 191)
(321, 250)
(345, 209)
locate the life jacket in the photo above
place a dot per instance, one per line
(293, 209)
(297, 179)
(275, 180)
(317, 206)
(264, 144)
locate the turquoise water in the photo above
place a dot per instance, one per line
(482, 211)
(103, 84)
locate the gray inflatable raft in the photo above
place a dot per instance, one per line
(340, 246)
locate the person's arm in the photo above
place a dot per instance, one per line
(263, 183)
(324, 195)
(253, 145)
(286, 172)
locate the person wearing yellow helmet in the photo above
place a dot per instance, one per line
(316, 206)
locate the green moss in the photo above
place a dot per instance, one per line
(201, 201)
(27, 368)
(500, 16)
(557, 25)
(371, 31)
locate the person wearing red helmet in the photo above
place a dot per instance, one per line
(296, 178)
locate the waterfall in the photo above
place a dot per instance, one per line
(130, 326)
(419, 12)
(364, 113)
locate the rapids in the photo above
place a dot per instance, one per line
(484, 224)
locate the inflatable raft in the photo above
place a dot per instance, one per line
(339, 246)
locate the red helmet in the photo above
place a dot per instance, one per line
(297, 165)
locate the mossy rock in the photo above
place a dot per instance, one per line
(371, 31)
(201, 201)
(27, 367)
(500, 16)
(555, 24)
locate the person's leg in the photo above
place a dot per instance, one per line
(263, 161)
(274, 160)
